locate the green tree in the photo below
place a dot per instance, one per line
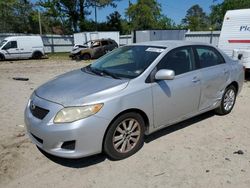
(144, 14)
(166, 23)
(218, 11)
(114, 22)
(196, 19)
(72, 13)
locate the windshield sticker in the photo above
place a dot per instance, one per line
(157, 50)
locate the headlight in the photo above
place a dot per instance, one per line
(70, 114)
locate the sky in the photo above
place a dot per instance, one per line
(174, 9)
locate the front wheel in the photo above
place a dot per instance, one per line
(228, 101)
(1, 57)
(125, 136)
(85, 57)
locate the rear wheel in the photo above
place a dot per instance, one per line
(228, 101)
(125, 136)
(37, 55)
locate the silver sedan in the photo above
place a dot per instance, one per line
(133, 91)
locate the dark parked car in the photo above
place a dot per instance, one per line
(93, 49)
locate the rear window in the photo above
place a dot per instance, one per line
(209, 56)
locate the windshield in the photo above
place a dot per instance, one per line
(2, 43)
(128, 61)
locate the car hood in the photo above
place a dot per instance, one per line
(78, 87)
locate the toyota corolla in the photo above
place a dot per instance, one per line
(133, 91)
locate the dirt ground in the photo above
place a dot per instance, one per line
(196, 153)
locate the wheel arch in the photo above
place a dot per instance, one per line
(236, 85)
(90, 55)
(134, 110)
(37, 51)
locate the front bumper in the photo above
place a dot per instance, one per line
(87, 133)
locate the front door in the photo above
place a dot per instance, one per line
(11, 50)
(179, 98)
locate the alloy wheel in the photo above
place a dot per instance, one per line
(126, 135)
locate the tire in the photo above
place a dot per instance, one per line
(2, 57)
(128, 141)
(85, 57)
(37, 55)
(228, 101)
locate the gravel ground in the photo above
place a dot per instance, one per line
(195, 153)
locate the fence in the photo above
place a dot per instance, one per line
(211, 37)
(64, 43)
(125, 40)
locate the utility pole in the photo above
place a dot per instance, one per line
(129, 4)
(40, 23)
(95, 15)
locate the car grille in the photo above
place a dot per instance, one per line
(38, 112)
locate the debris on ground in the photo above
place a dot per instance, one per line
(227, 159)
(159, 174)
(20, 135)
(207, 171)
(22, 126)
(239, 152)
(20, 79)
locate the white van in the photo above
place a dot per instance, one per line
(22, 47)
(235, 35)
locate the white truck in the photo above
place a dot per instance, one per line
(22, 47)
(235, 36)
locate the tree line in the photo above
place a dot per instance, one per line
(69, 16)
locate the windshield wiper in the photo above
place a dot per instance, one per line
(94, 70)
(110, 74)
(102, 72)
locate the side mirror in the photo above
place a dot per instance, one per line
(165, 74)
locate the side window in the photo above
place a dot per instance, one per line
(180, 60)
(105, 43)
(11, 44)
(209, 57)
(96, 44)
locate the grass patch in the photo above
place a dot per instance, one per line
(59, 55)
(65, 56)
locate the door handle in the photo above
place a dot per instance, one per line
(225, 71)
(195, 79)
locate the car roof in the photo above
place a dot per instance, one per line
(100, 40)
(171, 43)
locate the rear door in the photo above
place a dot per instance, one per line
(11, 50)
(179, 98)
(214, 75)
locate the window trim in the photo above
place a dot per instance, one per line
(194, 64)
(197, 59)
(150, 77)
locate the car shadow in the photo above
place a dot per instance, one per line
(178, 126)
(95, 159)
(75, 163)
